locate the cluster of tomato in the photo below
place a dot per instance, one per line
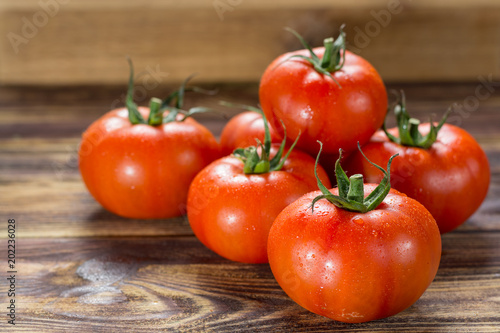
(354, 253)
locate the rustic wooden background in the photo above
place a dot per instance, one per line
(82, 269)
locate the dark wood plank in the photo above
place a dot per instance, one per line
(62, 112)
(47, 207)
(145, 284)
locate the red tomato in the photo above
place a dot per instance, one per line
(355, 267)
(339, 113)
(231, 212)
(242, 130)
(143, 171)
(450, 178)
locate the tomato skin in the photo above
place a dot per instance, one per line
(354, 267)
(242, 130)
(231, 212)
(141, 171)
(315, 105)
(450, 179)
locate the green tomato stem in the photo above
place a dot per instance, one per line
(158, 107)
(328, 55)
(408, 128)
(356, 190)
(261, 167)
(155, 116)
(351, 191)
(333, 57)
(134, 115)
(258, 164)
(414, 134)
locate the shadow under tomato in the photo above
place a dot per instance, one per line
(100, 222)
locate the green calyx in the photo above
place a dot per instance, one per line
(409, 134)
(351, 190)
(173, 103)
(333, 57)
(258, 163)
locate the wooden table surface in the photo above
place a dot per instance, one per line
(82, 269)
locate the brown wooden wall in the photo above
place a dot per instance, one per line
(74, 42)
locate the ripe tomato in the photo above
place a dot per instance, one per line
(142, 170)
(353, 266)
(242, 130)
(233, 201)
(339, 100)
(450, 178)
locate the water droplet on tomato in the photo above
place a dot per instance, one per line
(306, 113)
(358, 220)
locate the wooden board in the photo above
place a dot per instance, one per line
(175, 284)
(81, 269)
(85, 42)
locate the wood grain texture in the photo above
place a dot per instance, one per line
(85, 42)
(111, 285)
(82, 269)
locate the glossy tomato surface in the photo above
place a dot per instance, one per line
(450, 179)
(315, 105)
(242, 130)
(231, 212)
(355, 267)
(143, 171)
